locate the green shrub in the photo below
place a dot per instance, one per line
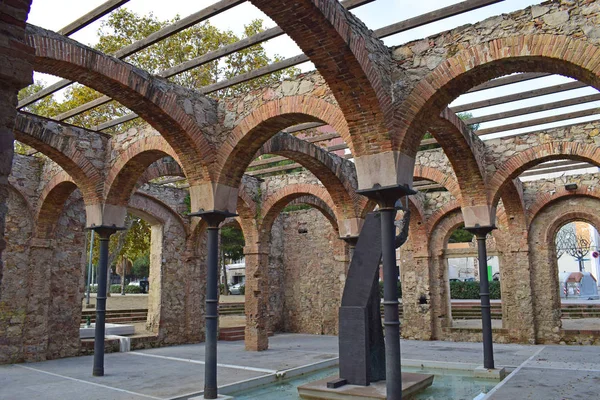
(243, 289)
(399, 289)
(115, 288)
(470, 290)
(132, 289)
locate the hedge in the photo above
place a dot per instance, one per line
(470, 290)
(117, 289)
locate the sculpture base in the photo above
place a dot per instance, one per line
(411, 384)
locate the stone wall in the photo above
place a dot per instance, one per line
(16, 73)
(42, 293)
(418, 58)
(307, 273)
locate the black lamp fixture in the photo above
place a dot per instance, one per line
(571, 187)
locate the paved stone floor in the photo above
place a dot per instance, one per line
(539, 372)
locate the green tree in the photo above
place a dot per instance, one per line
(141, 266)
(460, 235)
(468, 115)
(232, 243)
(124, 27)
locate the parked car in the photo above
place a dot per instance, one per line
(236, 289)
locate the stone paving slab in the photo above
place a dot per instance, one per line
(157, 377)
(550, 384)
(510, 355)
(305, 349)
(543, 372)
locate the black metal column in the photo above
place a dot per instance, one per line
(386, 198)
(391, 321)
(484, 295)
(213, 219)
(104, 234)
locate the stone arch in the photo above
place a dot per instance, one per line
(522, 161)
(277, 202)
(131, 164)
(38, 133)
(438, 215)
(51, 202)
(159, 169)
(440, 285)
(154, 211)
(335, 173)
(544, 199)
(255, 129)
(359, 77)
(168, 297)
(484, 61)
(157, 101)
(317, 203)
(28, 207)
(543, 263)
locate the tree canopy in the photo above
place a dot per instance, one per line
(232, 243)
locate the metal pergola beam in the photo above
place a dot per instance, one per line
(555, 170)
(539, 121)
(534, 109)
(433, 16)
(519, 96)
(507, 80)
(91, 16)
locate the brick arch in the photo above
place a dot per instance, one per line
(358, 74)
(482, 62)
(545, 199)
(255, 129)
(160, 103)
(465, 155)
(62, 149)
(442, 230)
(438, 216)
(334, 172)
(543, 263)
(51, 202)
(277, 202)
(522, 161)
(154, 211)
(437, 176)
(122, 177)
(247, 208)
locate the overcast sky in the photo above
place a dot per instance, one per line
(55, 14)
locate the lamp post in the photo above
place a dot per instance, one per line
(386, 197)
(213, 219)
(484, 294)
(104, 232)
